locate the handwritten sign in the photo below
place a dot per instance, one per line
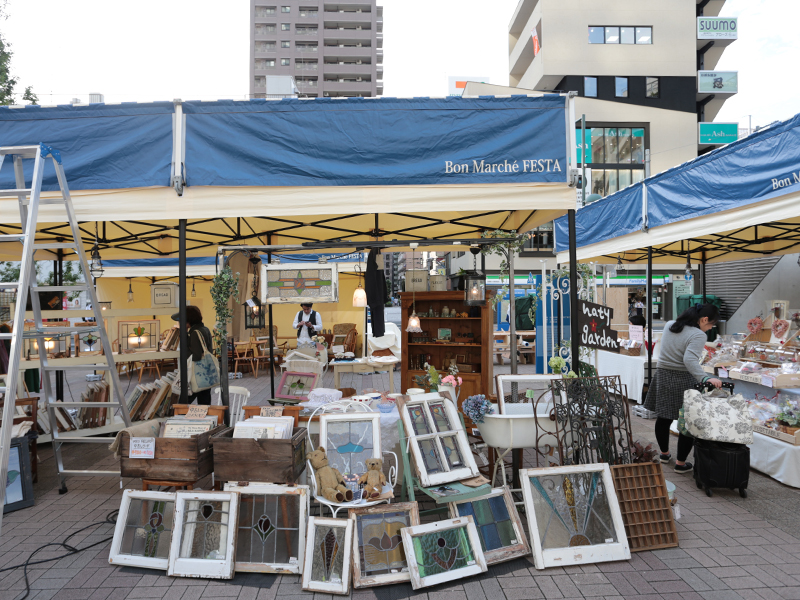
(197, 411)
(636, 333)
(271, 411)
(142, 447)
(594, 321)
(723, 372)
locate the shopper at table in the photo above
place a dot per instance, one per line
(679, 370)
(307, 323)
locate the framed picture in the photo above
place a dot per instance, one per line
(144, 528)
(573, 515)
(294, 386)
(328, 554)
(203, 540)
(300, 282)
(443, 551)
(338, 339)
(379, 557)
(271, 528)
(350, 439)
(438, 441)
(539, 383)
(19, 482)
(498, 525)
(139, 336)
(444, 333)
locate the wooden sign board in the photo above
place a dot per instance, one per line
(594, 321)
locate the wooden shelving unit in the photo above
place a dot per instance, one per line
(477, 352)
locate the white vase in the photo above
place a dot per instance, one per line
(450, 389)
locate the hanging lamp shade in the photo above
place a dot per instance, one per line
(413, 324)
(96, 266)
(253, 314)
(194, 292)
(360, 297)
(130, 291)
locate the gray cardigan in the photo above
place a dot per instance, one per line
(682, 351)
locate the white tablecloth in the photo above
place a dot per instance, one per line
(775, 458)
(631, 369)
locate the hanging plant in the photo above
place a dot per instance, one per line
(224, 288)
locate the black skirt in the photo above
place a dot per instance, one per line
(665, 394)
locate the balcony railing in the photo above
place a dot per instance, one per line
(309, 14)
(306, 67)
(307, 84)
(307, 31)
(264, 47)
(306, 49)
(260, 14)
(266, 30)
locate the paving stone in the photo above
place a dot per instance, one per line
(564, 583)
(721, 595)
(516, 594)
(546, 585)
(472, 589)
(789, 593)
(152, 592)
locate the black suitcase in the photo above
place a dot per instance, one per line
(721, 465)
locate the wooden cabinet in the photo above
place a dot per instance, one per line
(470, 340)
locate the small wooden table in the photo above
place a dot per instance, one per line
(504, 346)
(361, 367)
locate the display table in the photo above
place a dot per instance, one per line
(361, 366)
(775, 458)
(632, 370)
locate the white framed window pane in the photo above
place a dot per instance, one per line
(637, 175)
(590, 87)
(621, 87)
(611, 181)
(651, 87)
(205, 527)
(611, 145)
(627, 35)
(597, 145)
(612, 35)
(624, 138)
(637, 145)
(644, 35)
(286, 9)
(624, 178)
(596, 35)
(286, 44)
(285, 62)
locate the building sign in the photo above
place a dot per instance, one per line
(594, 322)
(717, 28)
(718, 133)
(718, 82)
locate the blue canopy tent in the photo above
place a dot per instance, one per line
(740, 201)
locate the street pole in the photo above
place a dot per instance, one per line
(649, 310)
(583, 160)
(573, 295)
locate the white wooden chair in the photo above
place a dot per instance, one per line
(238, 398)
(344, 406)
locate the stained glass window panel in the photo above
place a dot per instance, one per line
(572, 510)
(381, 546)
(418, 420)
(492, 520)
(443, 551)
(205, 530)
(268, 528)
(452, 452)
(148, 528)
(440, 416)
(430, 456)
(327, 562)
(349, 444)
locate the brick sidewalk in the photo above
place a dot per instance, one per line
(730, 549)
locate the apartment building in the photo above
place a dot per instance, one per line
(332, 49)
(646, 69)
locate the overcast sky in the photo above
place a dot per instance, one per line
(198, 49)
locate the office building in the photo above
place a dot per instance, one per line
(331, 49)
(644, 71)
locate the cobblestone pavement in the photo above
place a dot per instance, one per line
(730, 549)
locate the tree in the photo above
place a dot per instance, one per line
(7, 81)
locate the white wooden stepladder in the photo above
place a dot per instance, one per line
(29, 202)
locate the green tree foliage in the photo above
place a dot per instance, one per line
(7, 81)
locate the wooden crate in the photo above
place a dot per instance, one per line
(644, 502)
(175, 459)
(270, 461)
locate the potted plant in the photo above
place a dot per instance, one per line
(430, 381)
(789, 420)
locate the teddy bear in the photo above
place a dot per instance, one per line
(373, 480)
(330, 484)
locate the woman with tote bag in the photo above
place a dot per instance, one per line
(679, 370)
(200, 342)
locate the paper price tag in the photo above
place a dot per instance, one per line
(723, 372)
(142, 447)
(197, 411)
(767, 381)
(271, 411)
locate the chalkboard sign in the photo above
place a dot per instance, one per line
(594, 321)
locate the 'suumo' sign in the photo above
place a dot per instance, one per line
(594, 321)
